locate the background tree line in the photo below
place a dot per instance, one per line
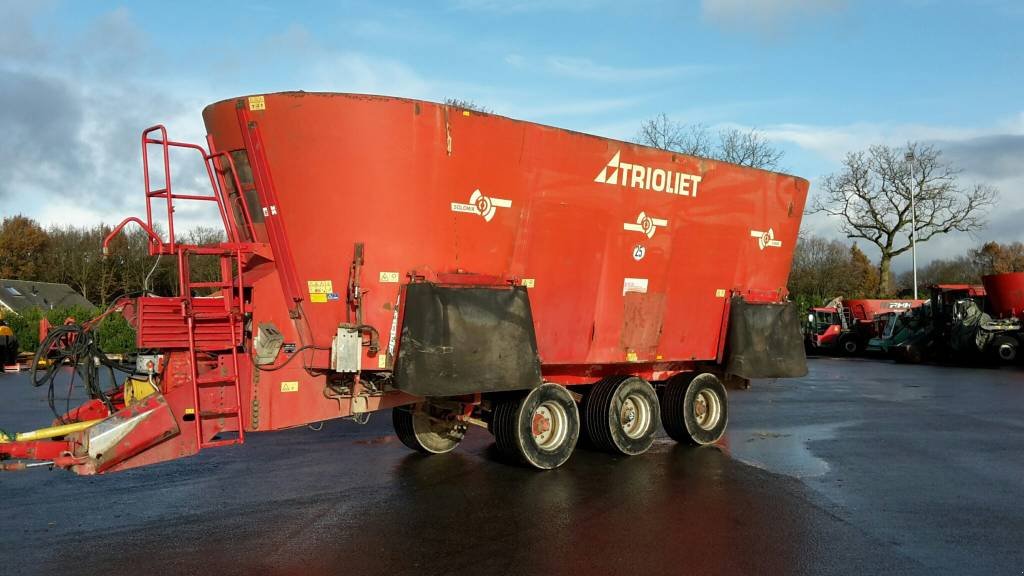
(72, 255)
(825, 268)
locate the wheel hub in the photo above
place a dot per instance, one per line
(707, 409)
(549, 425)
(634, 416)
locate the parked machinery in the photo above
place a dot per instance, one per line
(452, 267)
(847, 326)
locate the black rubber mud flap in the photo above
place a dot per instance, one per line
(764, 341)
(461, 340)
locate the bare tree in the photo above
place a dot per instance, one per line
(467, 105)
(871, 198)
(667, 134)
(743, 147)
(747, 148)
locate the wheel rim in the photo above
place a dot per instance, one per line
(550, 425)
(707, 409)
(851, 347)
(435, 434)
(635, 416)
(1007, 352)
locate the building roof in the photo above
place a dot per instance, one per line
(19, 295)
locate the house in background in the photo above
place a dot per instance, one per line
(16, 296)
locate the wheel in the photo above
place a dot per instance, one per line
(539, 428)
(620, 415)
(427, 429)
(1005, 348)
(849, 346)
(694, 410)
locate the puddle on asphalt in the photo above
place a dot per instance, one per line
(783, 450)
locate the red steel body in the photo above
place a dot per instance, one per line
(630, 255)
(1005, 294)
(400, 176)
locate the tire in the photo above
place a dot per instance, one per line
(620, 415)
(694, 410)
(1004, 348)
(849, 346)
(430, 433)
(539, 428)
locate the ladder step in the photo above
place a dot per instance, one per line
(215, 443)
(216, 379)
(217, 413)
(213, 315)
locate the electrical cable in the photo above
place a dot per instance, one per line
(76, 345)
(295, 353)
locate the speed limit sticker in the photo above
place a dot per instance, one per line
(639, 251)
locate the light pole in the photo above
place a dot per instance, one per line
(913, 217)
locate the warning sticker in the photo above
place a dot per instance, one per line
(634, 285)
(320, 298)
(257, 103)
(290, 386)
(389, 277)
(382, 361)
(631, 357)
(320, 286)
(528, 282)
(720, 293)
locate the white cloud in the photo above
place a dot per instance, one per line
(512, 6)
(586, 69)
(766, 17)
(989, 155)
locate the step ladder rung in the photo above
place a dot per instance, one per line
(217, 413)
(216, 443)
(206, 381)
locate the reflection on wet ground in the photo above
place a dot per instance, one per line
(847, 478)
(783, 450)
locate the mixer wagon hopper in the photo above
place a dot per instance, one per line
(454, 268)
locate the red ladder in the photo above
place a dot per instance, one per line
(214, 331)
(213, 325)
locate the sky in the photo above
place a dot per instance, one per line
(820, 78)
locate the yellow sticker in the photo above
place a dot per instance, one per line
(382, 361)
(319, 298)
(631, 356)
(320, 286)
(389, 277)
(290, 386)
(190, 410)
(528, 282)
(257, 103)
(465, 112)
(720, 293)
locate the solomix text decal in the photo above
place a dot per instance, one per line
(638, 176)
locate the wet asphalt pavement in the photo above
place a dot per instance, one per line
(863, 467)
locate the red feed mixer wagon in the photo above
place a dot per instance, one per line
(453, 267)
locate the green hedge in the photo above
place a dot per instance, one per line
(114, 334)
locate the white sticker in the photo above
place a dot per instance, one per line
(483, 205)
(393, 335)
(639, 251)
(634, 285)
(766, 239)
(389, 277)
(645, 225)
